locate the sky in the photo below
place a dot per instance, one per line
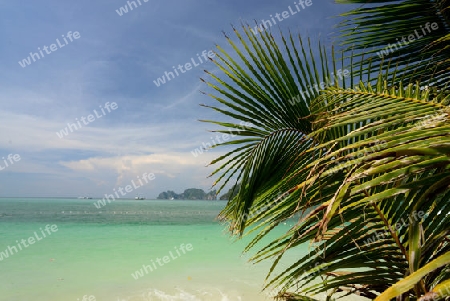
(104, 62)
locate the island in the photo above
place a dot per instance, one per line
(199, 194)
(188, 194)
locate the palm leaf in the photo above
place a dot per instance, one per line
(377, 28)
(351, 164)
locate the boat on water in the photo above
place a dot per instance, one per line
(139, 198)
(85, 197)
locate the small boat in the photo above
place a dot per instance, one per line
(139, 198)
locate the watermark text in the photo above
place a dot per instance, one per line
(86, 120)
(146, 177)
(49, 49)
(25, 243)
(183, 249)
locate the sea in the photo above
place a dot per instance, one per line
(129, 250)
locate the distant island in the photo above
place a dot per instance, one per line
(188, 194)
(197, 194)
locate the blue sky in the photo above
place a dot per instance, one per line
(116, 59)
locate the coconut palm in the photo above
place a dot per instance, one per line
(359, 157)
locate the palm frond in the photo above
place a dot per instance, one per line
(270, 86)
(365, 170)
(411, 34)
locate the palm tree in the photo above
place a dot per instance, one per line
(361, 161)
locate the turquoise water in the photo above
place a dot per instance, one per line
(94, 252)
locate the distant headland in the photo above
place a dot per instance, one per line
(193, 194)
(188, 194)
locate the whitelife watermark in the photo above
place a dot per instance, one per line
(268, 204)
(11, 250)
(169, 75)
(411, 38)
(109, 107)
(377, 146)
(378, 235)
(11, 159)
(53, 47)
(265, 24)
(206, 146)
(124, 9)
(88, 298)
(146, 177)
(161, 262)
(430, 121)
(340, 74)
(314, 272)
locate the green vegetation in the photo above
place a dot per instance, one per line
(231, 193)
(365, 161)
(188, 194)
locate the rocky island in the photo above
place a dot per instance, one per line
(188, 194)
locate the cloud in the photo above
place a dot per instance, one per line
(115, 60)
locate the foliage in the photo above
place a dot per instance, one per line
(232, 192)
(380, 23)
(364, 162)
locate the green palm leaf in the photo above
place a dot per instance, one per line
(401, 32)
(271, 87)
(365, 170)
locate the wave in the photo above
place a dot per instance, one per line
(213, 294)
